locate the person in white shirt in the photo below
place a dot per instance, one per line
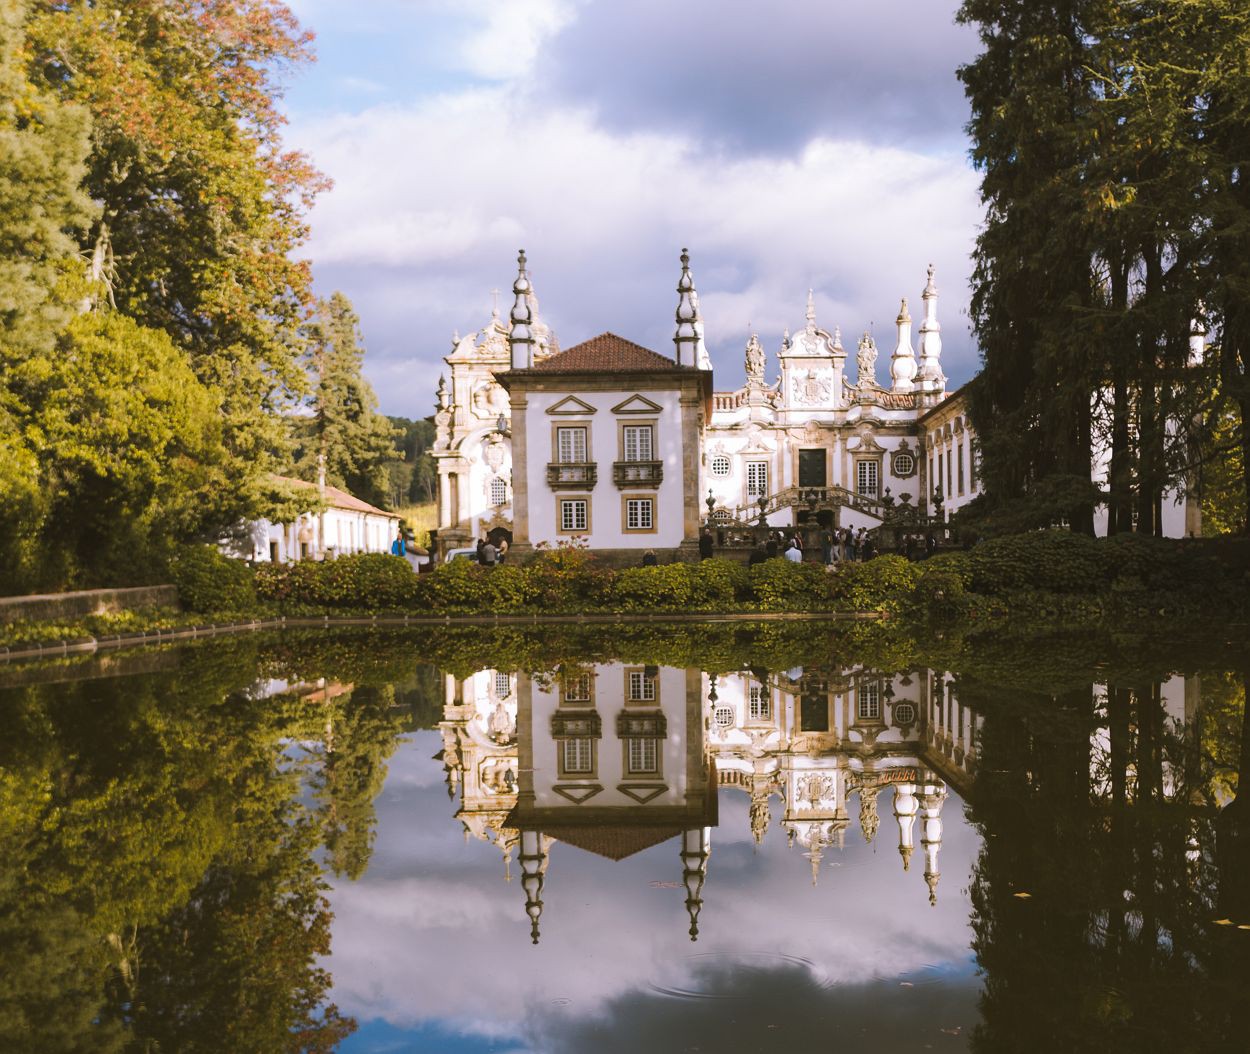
(793, 553)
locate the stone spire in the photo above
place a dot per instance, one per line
(931, 376)
(811, 312)
(931, 834)
(520, 340)
(905, 808)
(533, 860)
(687, 336)
(696, 847)
(903, 361)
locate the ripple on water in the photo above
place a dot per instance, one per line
(712, 967)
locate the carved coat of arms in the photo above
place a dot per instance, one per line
(810, 388)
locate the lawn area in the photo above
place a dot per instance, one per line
(421, 518)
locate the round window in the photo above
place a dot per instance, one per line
(904, 713)
(720, 465)
(724, 716)
(904, 464)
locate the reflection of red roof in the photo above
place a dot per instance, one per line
(337, 499)
(616, 843)
(607, 353)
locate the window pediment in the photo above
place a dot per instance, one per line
(637, 404)
(571, 406)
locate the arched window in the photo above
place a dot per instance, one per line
(720, 466)
(498, 491)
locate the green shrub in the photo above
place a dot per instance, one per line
(882, 584)
(719, 583)
(207, 580)
(780, 585)
(458, 586)
(361, 580)
(652, 588)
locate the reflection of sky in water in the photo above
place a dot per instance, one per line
(431, 947)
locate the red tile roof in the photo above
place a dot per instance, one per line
(606, 353)
(615, 843)
(337, 499)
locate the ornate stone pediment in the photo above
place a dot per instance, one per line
(865, 443)
(489, 400)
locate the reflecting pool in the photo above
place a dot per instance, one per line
(753, 839)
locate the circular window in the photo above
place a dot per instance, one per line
(720, 466)
(904, 713)
(904, 464)
(724, 716)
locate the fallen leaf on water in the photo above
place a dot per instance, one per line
(906, 984)
(950, 1031)
(1243, 926)
(1223, 922)
(1022, 896)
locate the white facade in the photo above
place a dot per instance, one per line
(609, 516)
(346, 525)
(822, 440)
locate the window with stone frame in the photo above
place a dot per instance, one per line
(499, 491)
(868, 477)
(641, 686)
(574, 514)
(869, 701)
(577, 689)
(641, 757)
(640, 514)
(720, 466)
(571, 445)
(638, 443)
(577, 756)
(759, 704)
(503, 684)
(757, 480)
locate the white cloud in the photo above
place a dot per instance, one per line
(432, 199)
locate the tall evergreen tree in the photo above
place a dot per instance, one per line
(345, 432)
(1030, 93)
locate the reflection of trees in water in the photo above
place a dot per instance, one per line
(158, 885)
(1106, 815)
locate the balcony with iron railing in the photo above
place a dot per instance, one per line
(572, 475)
(637, 473)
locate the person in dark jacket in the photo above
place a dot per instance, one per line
(648, 558)
(705, 545)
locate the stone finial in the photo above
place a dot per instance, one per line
(520, 339)
(811, 311)
(903, 361)
(686, 337)
(930, 373)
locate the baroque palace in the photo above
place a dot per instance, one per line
(615, 446)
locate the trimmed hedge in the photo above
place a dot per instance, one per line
(206, 580)
(1045, 574)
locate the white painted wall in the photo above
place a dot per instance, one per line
(605, 499)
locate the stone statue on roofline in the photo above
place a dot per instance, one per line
(866, 361)
(755, 359)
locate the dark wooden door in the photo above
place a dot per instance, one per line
(811, 468)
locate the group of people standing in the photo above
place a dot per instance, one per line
(489, 554)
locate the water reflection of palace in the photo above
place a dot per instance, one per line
(615, 758)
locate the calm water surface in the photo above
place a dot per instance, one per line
(337, 844)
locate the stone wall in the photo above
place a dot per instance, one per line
(51, 607)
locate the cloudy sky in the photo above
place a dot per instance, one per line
(789, 145)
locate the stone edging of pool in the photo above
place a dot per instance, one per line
(87, 645)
